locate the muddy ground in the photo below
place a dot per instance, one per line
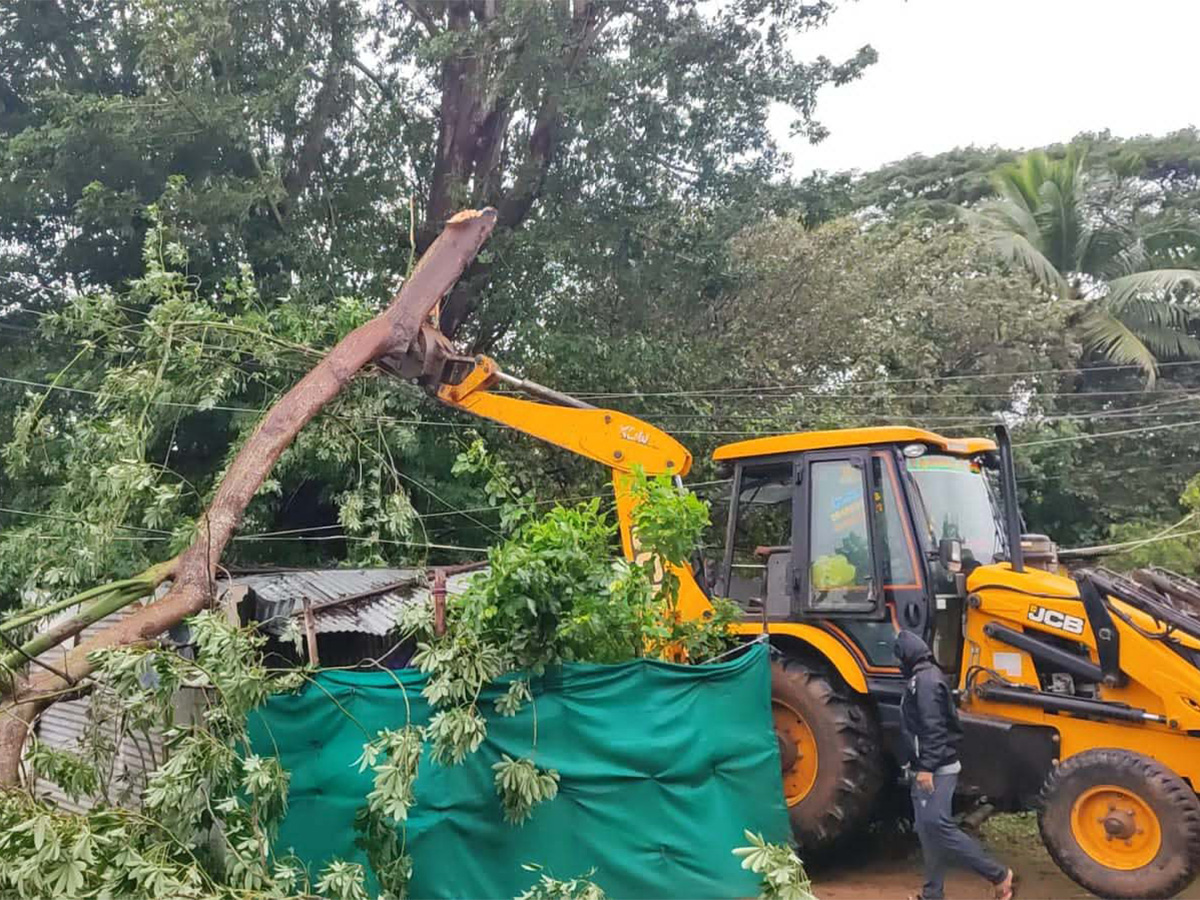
(888, 867)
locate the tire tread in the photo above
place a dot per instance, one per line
(861, 754)
(1161, 781)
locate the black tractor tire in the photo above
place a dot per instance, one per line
(1065, 821)
(849, 755)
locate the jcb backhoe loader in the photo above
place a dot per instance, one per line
(1079, 697)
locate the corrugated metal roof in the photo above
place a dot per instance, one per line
(135, 754)
(362, 601)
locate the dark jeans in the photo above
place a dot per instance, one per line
(943, 843)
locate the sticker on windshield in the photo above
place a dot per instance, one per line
(943, 464)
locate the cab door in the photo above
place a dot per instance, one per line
(836, 570)
(756, 571)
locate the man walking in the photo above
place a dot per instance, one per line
(932, 731)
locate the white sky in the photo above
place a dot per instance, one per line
(1018, 73)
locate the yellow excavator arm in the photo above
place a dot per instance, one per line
(614, 439)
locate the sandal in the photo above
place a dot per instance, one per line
(1007, 889)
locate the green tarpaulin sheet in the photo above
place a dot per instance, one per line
(662, 767)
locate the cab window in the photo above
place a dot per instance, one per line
(959, 503)
(763, 528)
(896, 550)
(841, 565)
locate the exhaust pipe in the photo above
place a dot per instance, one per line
(1008, 487)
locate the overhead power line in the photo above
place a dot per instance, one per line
(827, 385)
(1096, 550)
(393, 420)
(877, 411)
(1106, 434)
(686, 432)
(1193, 464)
(1126, 546)
(420, 545)
(1120, 412)
(57, 518)
(428, 422)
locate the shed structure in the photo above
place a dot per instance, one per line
(353, 613)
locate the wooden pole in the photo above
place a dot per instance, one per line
(310, 632)
(439, 602)
(232, 601)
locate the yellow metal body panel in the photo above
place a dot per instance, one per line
(850, 437)
(615, 439)
(693, 603)
(821, 641)
(1159, 680)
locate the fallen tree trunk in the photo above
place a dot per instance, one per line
(389, 333)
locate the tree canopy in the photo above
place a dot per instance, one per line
(266, 172)
(206, 209)
(1085, 239)
(198, 199)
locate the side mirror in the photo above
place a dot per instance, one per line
(950, 555)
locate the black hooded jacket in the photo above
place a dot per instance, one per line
(928, 713)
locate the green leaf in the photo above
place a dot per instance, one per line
(1156, 283)
(1107, 336)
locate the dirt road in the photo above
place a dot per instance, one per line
(890, 868)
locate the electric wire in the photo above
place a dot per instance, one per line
(980, 419)
(477, 425)
(263, 535)
(1101, 549)
(767, 389)
(420, 545)
(1105, 434)
(751, 389)
(1180, 396)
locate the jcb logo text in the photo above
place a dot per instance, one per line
(629, 433)
(1056, 619)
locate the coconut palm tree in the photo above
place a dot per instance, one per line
(1133, 309)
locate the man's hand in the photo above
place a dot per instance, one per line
(925, 782)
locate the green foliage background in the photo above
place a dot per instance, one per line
(197, 199)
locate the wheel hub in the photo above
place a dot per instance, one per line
(788, 754)
(797, 752)
(1119, 823)
(1116, 827)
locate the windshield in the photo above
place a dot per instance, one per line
(959, 502)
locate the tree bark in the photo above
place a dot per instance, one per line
(460, 118)
(391, 332)
(324, 106)
(473, 141)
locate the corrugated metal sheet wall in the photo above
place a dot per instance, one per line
(65, 724)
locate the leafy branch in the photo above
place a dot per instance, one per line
(783, 875)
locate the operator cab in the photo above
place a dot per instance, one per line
(865, 530)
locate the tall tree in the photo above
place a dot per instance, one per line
(310, 149)
(312, 134)
(1137, 306)
(24, 693)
